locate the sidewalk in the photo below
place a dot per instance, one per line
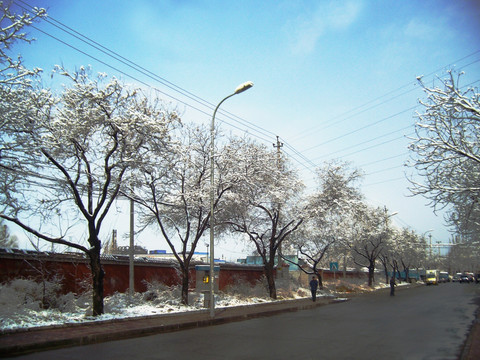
(33, 340)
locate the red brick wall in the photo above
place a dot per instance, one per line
(74, 272)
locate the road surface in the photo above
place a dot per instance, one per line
(427, 322)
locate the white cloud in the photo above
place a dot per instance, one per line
(422, 30)
(307, 29)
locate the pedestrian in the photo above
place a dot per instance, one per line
(313, 287)
(392, 286)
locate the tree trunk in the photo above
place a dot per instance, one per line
(396, 268)
(271, 282)
(319, 276)
(371, 274)
(385, 268)
(185, 280)
(97, 281)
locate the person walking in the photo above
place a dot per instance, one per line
(392, 286)
(314, 287)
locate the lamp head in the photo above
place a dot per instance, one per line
(245, 86)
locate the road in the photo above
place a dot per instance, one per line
(427, 322)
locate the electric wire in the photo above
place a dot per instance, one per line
(143, 71)
(383, 170)
(199, 100)
(366, 142)
(144, 83)
(182, 91)
(313, 129)
(385, 159)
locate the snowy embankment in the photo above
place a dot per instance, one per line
(25, 304)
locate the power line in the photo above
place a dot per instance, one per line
(362, 128)
(86, 40)
(110, 53)
(383, 170)
(331, 121)
(255, 128)
(373, 124)
(385, 159)
(368, 141)
(193, 97)
(384, 181)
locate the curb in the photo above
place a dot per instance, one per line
(471, 346)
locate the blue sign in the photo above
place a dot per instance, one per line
(334, 266)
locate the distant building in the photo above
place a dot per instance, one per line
(125, 250)
(197, 256)
(257, 260)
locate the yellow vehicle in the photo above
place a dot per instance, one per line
(432, 277)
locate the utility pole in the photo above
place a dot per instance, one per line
(279, 145)
(430, 236)
(131, 282)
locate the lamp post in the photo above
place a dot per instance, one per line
(241, 88)
(429, 232)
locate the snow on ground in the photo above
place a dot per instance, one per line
(25, 304)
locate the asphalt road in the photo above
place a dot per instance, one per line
(427, 322)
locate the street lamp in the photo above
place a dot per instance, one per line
(241, 88)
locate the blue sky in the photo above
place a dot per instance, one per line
(333, 79)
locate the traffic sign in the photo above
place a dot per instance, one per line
(334, 266)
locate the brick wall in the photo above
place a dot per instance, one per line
(74, 273)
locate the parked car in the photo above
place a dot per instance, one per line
(464, 278)
(456, 277)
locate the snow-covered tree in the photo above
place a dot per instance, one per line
(64, 158)
(368, 238)
(404, 250)
(15, 80)
(264, 203)
(446, 150)
(175, 197)
(463, 256)
(464, 218)
(388, 258)
(326, 213)
(411, 250)
(12, 27)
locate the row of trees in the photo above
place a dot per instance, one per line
(340, 225)
(66, 154)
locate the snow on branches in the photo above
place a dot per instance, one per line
(446, 149)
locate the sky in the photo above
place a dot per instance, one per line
(332, 79)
